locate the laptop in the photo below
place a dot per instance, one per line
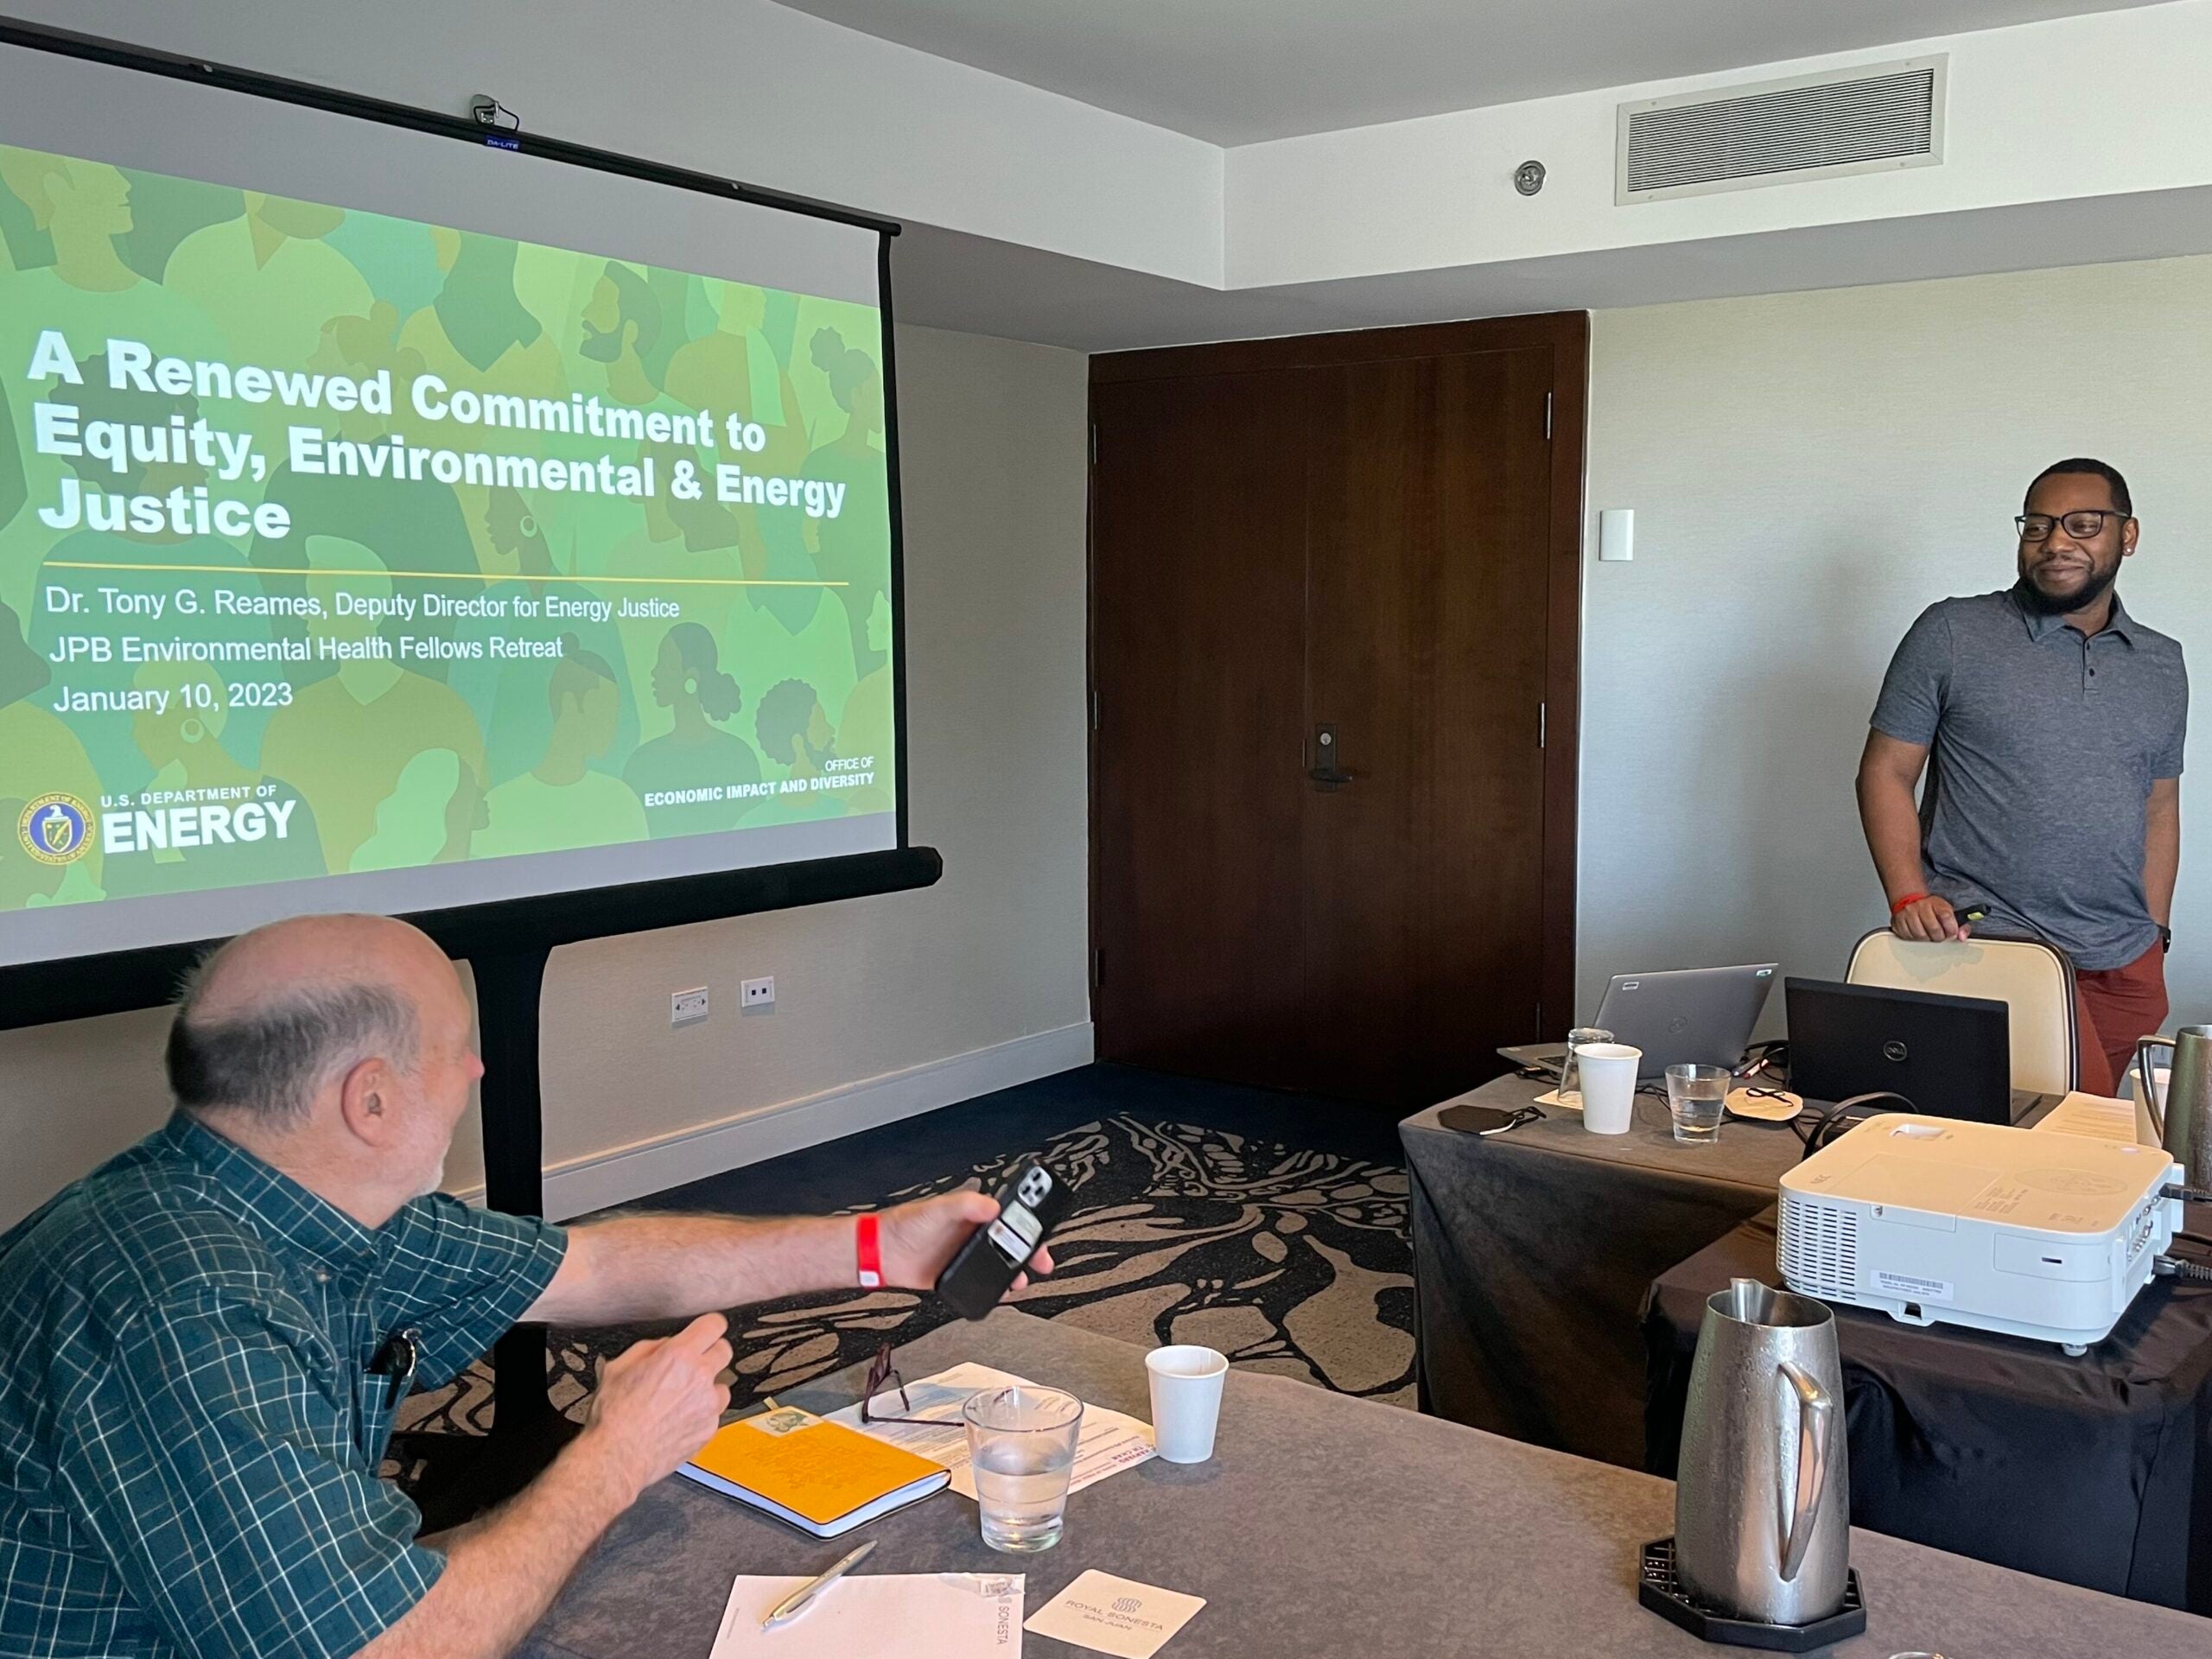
(1950, 1056)
(1685, 1016)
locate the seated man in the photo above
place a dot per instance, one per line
(204, 1339)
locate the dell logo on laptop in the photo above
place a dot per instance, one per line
(1894, 1050)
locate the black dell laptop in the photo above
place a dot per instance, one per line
(1950, 1056)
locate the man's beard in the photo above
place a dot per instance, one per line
(2056, 604)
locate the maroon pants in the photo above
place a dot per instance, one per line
(2114, 1008)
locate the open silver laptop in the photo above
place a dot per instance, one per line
(1700, 1016)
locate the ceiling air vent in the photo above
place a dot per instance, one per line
(1873, 118)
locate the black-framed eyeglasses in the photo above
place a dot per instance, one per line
(884, 1374)
(2083, 527)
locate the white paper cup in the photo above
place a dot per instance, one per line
(1608, 1086)
(1186, 1384)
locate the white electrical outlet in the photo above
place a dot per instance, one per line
(758, 993)
(686, 1008)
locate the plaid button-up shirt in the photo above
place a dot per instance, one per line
(189, 1425)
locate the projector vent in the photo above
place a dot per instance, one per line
(1818, 1248)
(1874, 118)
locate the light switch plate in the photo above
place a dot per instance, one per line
(1617, 535)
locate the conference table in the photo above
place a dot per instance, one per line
(1533, 1250)
(1324, 1526)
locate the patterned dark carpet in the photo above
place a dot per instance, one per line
(1289, 1260)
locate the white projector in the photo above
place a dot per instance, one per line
(2043, 1235)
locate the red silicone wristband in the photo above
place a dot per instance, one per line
(868, 1247)
(1909, 899)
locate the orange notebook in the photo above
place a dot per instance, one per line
(819, 1476)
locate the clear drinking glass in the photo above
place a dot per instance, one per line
(1021, 1448)
(1570, 1074)
(1697, 1095)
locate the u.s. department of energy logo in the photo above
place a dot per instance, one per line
(56, 829)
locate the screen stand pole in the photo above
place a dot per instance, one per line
(508, 989)
(458, 1477)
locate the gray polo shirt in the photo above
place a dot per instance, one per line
(2043, 746)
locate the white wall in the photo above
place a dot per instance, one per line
(1041, 218)
(1808, 472)
(2056, 117)
(890, 987)
(2107, 104)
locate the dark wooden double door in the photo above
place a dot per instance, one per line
(1333, 618)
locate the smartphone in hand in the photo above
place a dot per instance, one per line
(1030, 1204)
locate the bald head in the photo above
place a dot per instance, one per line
(273, 1018)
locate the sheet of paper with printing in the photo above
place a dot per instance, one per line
(1109, 1442)
(2099, 1117)
(878, 1616)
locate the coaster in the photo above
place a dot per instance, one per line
(1778, 1106)
(1116, 1615)
(1565, 1103)
(1662, 1593)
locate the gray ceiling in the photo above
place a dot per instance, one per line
(1235, 71)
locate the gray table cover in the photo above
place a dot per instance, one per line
(1533, 1250)
(1325, 1525)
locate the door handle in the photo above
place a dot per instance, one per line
(1327, 774)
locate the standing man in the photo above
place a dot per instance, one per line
(2056, 721)
(206, 1337)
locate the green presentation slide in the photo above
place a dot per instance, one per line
(332, 542)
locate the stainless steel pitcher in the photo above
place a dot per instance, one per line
(2183, 1123)
(1763, 1500)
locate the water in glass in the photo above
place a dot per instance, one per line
(1697, 1095)
(1022, 1446)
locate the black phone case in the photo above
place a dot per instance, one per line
(1032, 1201)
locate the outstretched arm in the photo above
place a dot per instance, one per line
(668, 1267)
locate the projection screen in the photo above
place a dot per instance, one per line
(395, 523)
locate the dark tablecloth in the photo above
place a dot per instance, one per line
(2095, 1470)
(1324, 1526)
(1533, 1250)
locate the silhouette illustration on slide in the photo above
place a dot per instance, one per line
(842, 549)
(694, 759)
(561, 802)
(344, 741)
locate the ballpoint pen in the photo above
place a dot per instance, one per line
(802, 1598)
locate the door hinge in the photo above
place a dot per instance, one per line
(1540, 1022)
(1543, 722)
(1094, 711)
(1097, 967)
(1547, 427)
(1094, 437)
